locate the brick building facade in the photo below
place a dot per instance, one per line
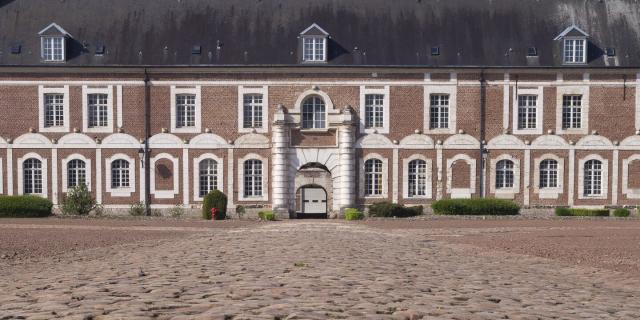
(555, 123)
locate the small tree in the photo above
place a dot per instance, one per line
(78, 201)
(214, 199)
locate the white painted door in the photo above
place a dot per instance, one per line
(314, 200)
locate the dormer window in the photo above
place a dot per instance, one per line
(574, 45)
(53, 43)
(314, 44)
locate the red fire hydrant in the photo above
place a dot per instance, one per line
(214, 211)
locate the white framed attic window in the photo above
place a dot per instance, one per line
(314, 49)
(97, 106)
(186, 109)
(575, 50)
(53, 49)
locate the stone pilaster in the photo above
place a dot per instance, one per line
(280, 155)
(346, 146)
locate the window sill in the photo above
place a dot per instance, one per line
(314, 130)
(54, 129)
(592, 197)
(185, 130)
(549, 194)
(504, 194)
(379, 130)
(251, 130)
(572, 131)
(248, 199)
(120, 193)
(107, 129)
(164, 194)
(527, 131)
(439, 131)
(417, 197)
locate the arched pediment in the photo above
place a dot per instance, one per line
(461, 141)
(165, 140)
(208, 141)
(594, 142)
(252, 140)
(314, 92)
(374, 140)
(417, 141)
(632, 141)
(120, 140)
(76, 140)
(550, 142)
(32, 140)
(505, 141)
(3, 143)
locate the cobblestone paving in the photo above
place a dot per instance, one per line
(310, 270)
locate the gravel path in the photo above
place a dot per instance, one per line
(311, 270)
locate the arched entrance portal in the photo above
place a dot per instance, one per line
(314, 191)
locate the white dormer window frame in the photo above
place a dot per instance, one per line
(53, 47)
(574, 50)
(314, 47)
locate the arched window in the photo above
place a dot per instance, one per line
(417, 178)
(313, 113)
(504, 174)
(120, 174)
(548, 173)
(76, 173)
(253, 178)
(593, 178)
(373, 177)
(32, 176)
(208, 176)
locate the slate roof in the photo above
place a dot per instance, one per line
(469, 33)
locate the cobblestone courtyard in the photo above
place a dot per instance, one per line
(304, 270)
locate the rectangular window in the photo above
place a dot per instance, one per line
(252, 111)
(185, 110)
(439, 111)
(313, 48)
(53, 110)
(374, 111)
(527, 111)
(571, 111)
(53, 49)
(98, 110)
(574, 50)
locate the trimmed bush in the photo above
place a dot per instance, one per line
(267, 215)
(214, 199)
(577, 212)
(388, 209)
(621, 213)
(475, 207)
(78, 201)
(137, 209)
(25, 206)
(177, 211)
(353, 214)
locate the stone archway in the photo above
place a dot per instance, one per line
(310, 179)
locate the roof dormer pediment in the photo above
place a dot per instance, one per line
(572, 31)
(54, 30)
(314, 30)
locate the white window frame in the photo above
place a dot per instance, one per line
(164, 194)
(63, 90)
(631, 193)
(604, 177)
(539, 93)
(548, 193)
(505, 193)
(573, 55)
(196, 174)
(65, 171)
(405, 183)
(174, 92)
(326, 114)
(461, 193)
(364, 91)
(121, 192)
(265, 178)
(86, 91)
(385, 176)
(561, 91)
(45, 174)
(450, 90)
(314, 53)
(43, 39)
(264, 91)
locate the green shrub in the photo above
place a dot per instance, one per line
(476, 207)
(621, 212)
(240, 210)
(177, 211)
(578, 212)
(78, 201)
(98, 210)
(353, 214)
(267, 215)
(388, 209)
(137, 209)
(25, 206)
(215, 199)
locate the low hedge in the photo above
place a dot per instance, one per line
(214, 199)
(621, 213)
(388, 209)
(25, 206)
(476, 207)
(353, 214)
(267, 215)
(578, 212)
